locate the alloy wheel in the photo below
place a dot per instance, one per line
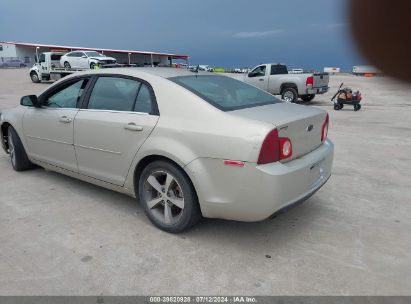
(164, 197)
(288, 96)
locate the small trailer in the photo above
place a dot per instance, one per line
(332, 70)
(363, 70)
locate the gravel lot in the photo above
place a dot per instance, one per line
(60, 236)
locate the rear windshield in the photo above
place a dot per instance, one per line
(225, 93)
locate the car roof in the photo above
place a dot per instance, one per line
(164, 72)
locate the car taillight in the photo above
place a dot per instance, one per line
(286, 148)
(310, 81)
(324, 131)
(274, 148)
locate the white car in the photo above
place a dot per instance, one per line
(84, 60)
(185, 144)
(206, 68)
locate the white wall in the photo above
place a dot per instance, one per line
(28, 55)
(9, 50)
(24, 52)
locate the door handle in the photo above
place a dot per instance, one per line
(260, 79)
(133, 127)
(65, 119)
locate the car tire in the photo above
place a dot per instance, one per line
(307, 98)
(18, 156)
(34, 77)
(172, 210)
(92, 65)
(357, 107)
(289, 95)
(67, 65)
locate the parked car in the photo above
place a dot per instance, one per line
(185, 144)
(206, 68)
(13, 63)
(85, 60)
(275, 79)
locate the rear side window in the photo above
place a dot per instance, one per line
(114, 93)
(279, 69)
(55, 57)
(144, 102)
(225, 93)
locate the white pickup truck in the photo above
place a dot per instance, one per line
(275, 79)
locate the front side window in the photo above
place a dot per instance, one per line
(225, 93)
(114, 93)
(258, 72)
(67, 97)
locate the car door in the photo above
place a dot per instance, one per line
(49, 130)
(74, 59)
(82, 60)
(118, 115)
(257, 77)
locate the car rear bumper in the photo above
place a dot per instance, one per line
(254, 193)
(320, 90)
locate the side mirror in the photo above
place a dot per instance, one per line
(30, 101)
(84, 56)
(251, 74)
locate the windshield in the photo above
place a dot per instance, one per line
(225, 93)
(94, 54)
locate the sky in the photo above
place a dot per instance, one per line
(222, 33)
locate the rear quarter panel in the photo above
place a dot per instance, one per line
(190, 128)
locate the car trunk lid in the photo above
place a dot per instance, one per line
(301, 124)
